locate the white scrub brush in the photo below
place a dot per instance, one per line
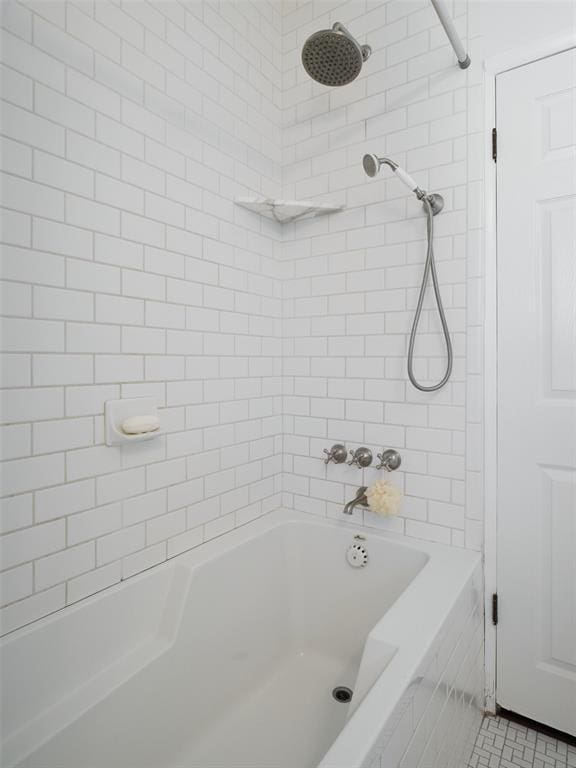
(384, 498)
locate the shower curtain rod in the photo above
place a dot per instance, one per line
(453, 36)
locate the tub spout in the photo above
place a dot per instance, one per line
(360, 500)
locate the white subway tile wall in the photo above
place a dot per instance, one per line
(352, 279)
(127, 129)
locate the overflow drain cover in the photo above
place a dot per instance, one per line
(342, 694)
(357, 555)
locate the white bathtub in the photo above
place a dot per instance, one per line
(226, 657)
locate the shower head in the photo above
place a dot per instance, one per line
(372, 165)
(333, 56)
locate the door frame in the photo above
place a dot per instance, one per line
(494, 66)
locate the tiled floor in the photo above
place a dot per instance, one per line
(504, 744)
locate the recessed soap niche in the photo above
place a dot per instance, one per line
(117, 411)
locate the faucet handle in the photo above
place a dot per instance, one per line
(337, 454)
(389, 460)
(361, 457)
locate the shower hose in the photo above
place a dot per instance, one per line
(430, 268)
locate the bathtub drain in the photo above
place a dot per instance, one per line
(342, 694)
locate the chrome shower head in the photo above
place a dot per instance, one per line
(372, 164)
(333, 56)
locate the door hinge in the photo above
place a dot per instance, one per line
(495, 609)
(494, 144)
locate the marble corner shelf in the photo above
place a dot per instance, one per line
(285, 211)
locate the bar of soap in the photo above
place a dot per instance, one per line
(139, 425)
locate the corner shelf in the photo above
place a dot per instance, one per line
(286, 211)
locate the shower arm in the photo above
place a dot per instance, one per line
(366, 50)
(453, 36)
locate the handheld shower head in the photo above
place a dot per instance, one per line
(432, 204)
(372, 165)
(334, 56)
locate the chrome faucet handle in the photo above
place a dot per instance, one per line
(361, 457)
(337, 454)
(389, 460)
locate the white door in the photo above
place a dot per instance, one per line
(536, 192)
